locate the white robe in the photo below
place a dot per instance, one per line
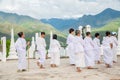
(107, 51)
(97, 49)
(20, 46)
(41, 47)
(89, 53)
(115, 44)
(70, 48)
(55, 52)
(79, 52)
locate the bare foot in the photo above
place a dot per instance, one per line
(41, 67)
(19, 70)
(23, 70)
(98, 62)
(108, 66)
(38, 63)
(55, 65)
(90, 67)
(114, 62)
(72, 64)
(78, 69)
(52, 65)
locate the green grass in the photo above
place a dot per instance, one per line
(112, 26)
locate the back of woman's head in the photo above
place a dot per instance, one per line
(54, 36)
(88, 33)
(77, 32)
(20, 34)
(108, 33)
(71, 30)
(42, 33)
(97, 34)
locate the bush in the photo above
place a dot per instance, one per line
(7, 47)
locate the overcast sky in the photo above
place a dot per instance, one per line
(57, 8)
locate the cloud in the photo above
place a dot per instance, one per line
(57, 8)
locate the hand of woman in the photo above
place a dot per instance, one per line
(28, 43)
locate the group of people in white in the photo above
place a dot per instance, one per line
(86, 52)
(82, 52)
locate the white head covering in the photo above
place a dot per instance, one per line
(114, 33)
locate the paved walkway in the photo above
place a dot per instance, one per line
(8, 71)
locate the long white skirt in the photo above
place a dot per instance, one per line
(97, 54)
(22, 62)
(89, 58)
(80, 59)
(114, 54)
(42, 54)
(71, 53)
(71, 56)
(107, 55)
(55, 58)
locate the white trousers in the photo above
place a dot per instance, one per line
(80, 59)
(22, 60)
(55, 58)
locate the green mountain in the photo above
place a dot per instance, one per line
(30, 26)
(26, 24)
(111, 26)
(96, 21)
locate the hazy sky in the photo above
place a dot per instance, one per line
(57, 8)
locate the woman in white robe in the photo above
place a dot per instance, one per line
(70, 47)
(41, 47)
(79, 51)
(107, 50)
(20, 46)
(97, 50)
(89, 53)
(115, 44)
(55, 52)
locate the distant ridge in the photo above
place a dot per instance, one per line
(95, 21)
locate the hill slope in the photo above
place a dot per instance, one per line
(26, 24)
(111, 26)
